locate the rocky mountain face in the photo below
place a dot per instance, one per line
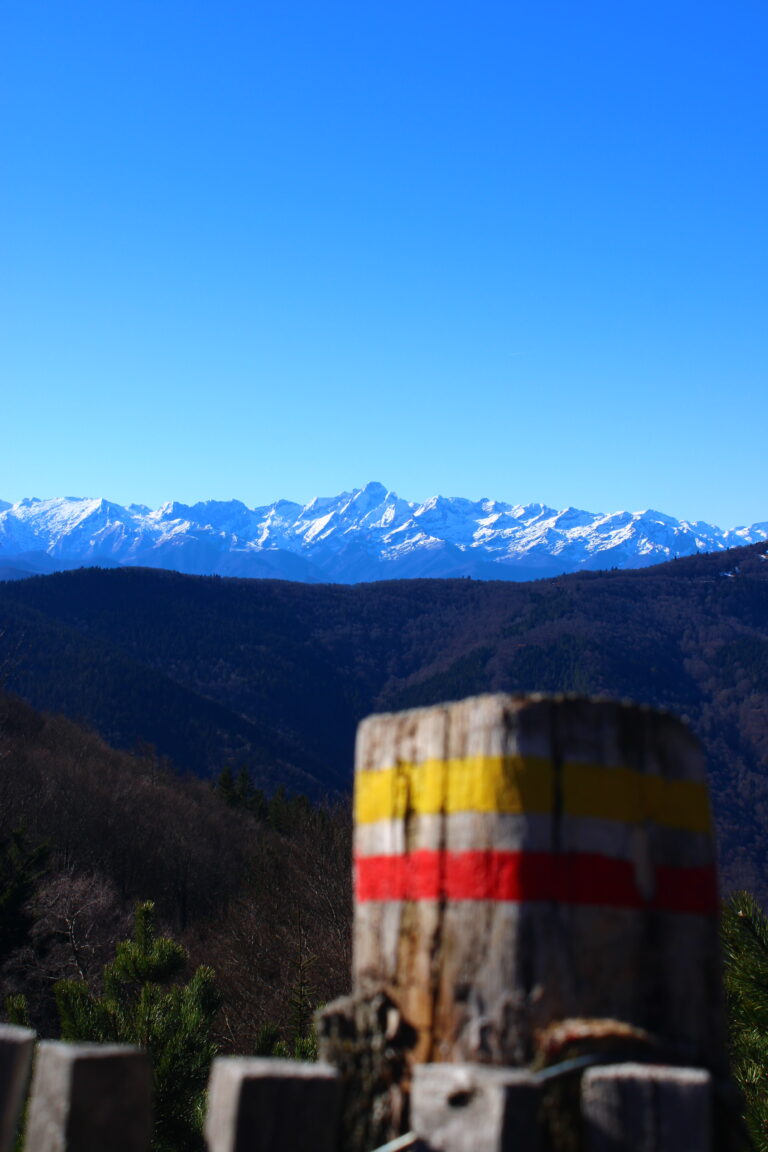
(364, 535)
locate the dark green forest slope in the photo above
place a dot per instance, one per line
(276, 675)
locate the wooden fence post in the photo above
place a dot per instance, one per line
(522, 860)
(89, 1097)
(266, 1105)
(368, 1041)
(474, 1108)
(16, 1045)
(646, 1108)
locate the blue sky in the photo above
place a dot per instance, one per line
(273, 250)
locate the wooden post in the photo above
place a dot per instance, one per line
(261, 1105)
(646, 1108)
(521, 860)
(16, 1046)
(368, 1041)
(89, 1097)
(474, 1108)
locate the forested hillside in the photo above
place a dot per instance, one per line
(276, 675)
(258, 888)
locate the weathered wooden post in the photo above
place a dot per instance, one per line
(89, 1097)
(473, 1108)
(524, 860)
(260, 1105)
(521, 861)
(16, 1045)
(635, 1107)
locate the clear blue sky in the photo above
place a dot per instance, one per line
(512, 249)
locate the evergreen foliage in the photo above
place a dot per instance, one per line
(17, 1010)
(21, 867)
(283, 811)
(240, 792)
(745, 944)
(267, 1039)
(296, 1039)
(141, 1004)
(302, 1004)
(269, 1043)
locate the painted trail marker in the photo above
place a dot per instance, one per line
(522, 860)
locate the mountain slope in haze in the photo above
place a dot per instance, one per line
(278, 674)
(363, 535)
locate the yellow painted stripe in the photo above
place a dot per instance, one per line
(519, 784)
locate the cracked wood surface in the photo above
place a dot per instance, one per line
(520, 860)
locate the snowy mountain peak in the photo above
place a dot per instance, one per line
(172, 510)
(368, 533)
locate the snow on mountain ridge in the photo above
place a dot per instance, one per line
(364, 534)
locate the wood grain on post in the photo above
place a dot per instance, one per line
(646, 1108)
(16, 1045)
(267, 1105)
(522, 860)
(368, 1041)
(89, 1097)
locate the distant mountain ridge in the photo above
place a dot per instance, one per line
(367, 534)
(276, 675)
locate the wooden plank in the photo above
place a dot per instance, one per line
(646, 1108)
(16, 1046)
(262, 1105)
(88, 1097)
(474, 1108)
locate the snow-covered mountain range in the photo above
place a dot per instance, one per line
(366, 534)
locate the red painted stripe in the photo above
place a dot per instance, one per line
(570, 878)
